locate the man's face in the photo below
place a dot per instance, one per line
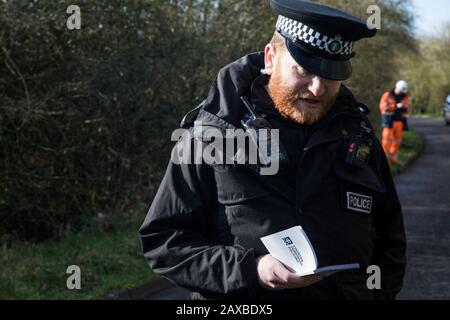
(298, 94)
(398, 91)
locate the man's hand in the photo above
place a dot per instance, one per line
(400, 105)
(274, 276)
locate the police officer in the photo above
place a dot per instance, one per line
(204, 226)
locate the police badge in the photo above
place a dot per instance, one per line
(335, 46)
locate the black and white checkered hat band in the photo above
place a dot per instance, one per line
(298, 31)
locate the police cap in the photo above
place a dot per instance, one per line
(321, 39)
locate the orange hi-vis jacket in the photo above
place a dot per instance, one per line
(388, 103)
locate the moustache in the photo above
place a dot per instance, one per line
(306, 96)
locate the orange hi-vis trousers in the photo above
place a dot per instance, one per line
(392, 141)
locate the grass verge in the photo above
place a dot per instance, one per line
(108, 262)
(412, 146)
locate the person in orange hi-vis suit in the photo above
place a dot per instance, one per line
(394, 107)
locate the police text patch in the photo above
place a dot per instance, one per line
(359, 202)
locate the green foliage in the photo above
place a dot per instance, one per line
(428, 71)
(108, 262)
(86, 115)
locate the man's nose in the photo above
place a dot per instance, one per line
(317, 86)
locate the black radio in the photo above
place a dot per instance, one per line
(359, 148)
(254, 126)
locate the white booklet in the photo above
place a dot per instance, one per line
(293, 248)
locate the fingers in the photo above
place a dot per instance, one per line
(273, 275)
(302, 282)
(283, 276)
(289, 280)
(266, 275)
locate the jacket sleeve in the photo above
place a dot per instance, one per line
(390, 243)
(178, 241)
(386, 104)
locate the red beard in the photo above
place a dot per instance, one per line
(286, 100)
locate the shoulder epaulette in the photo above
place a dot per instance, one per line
(188, 120)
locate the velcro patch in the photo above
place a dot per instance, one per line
(359, 202)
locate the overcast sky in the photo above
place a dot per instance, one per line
(431, 15)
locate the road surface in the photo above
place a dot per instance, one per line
(424, 191)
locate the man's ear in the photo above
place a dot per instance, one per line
(269, 58)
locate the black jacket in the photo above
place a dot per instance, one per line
(204, 226)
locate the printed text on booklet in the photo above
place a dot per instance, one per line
(293, 248)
